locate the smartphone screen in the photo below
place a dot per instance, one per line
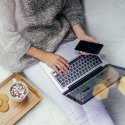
(89, 47)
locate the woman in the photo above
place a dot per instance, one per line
(31, 31)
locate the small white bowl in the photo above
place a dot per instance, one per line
(18, 99)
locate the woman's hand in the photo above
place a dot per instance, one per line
(89, 39)
(58, 63)
(80, 33)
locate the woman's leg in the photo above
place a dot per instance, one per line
(74, 111)
(97, 113)
(91, 113)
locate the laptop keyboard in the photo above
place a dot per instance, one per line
(78, 67)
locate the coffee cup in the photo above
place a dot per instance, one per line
(18, 91)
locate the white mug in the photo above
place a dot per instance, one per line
(16, 99)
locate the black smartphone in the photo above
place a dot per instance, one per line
(89, 47)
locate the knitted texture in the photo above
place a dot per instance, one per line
(44, 24)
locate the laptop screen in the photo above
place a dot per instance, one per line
(96, 85)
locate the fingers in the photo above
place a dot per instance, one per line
(90, 39)
(62, 68)
(65, 62)
(93, 40)
(61, 65)
(84, 53)
(56, 69)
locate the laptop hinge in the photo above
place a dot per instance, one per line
(86, 78)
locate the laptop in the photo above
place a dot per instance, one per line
(85, 73)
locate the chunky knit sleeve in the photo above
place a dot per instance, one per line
(11, 41)
(73, 11)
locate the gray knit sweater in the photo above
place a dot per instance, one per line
(43, 24)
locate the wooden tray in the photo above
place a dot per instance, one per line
(18, 110)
